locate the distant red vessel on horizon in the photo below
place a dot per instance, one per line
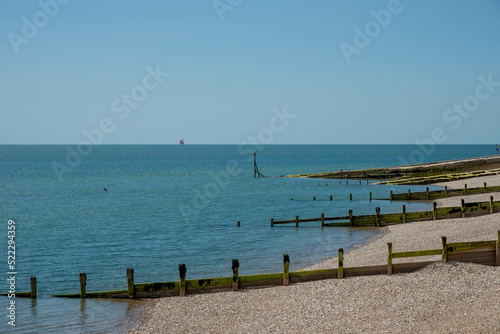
(182, 141)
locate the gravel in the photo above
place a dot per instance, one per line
(440, 298)
(474, 182)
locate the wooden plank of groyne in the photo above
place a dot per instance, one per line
(276, 222)
(365, 271)
(476, 257)
(449, 212)
(308, 220)
(108, 294)
(464, 246)
(416, 216)
(209, 283)
(101, 294)
(159, 287)
(400, 268)
(20, 294)
(336, 218)
(312, 275)
(389, 218)
(261, 280)
(474, 250)
(337, 224)
(429, 252)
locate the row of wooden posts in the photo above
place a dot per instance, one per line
(350, 197)
(378, 217)
(428, 195)
(483, 252)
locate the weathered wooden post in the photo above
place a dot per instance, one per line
(484, 189)
(498, 249)
(340, 270)
(445, 191)
(389, 259)
(445, 250)
(370, 196)
(377, 216)
(235, 266)
(359, 181)
(322, 220)
(434, 211)
(33, 287)
(130, 281)
(182, 279)
(314, 198)
(427, 193)
(331, 197)
(83, 285)
(409, 194)
(404, 213)
(346, 182)
(350, 197)
(465, 189)
(286, 269)
(391, 196)
(367, 182)
(272, 222)
(351, 223)
(492, 209)
(296, 221)
(462, 208)
(238, 223)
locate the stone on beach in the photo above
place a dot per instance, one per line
(440, 298)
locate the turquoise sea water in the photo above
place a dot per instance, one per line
(165, 205)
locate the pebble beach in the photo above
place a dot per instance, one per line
(440, 298)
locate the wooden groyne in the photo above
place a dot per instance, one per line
(379, 219)
(445, 193)
(482, 252)
(422, 173)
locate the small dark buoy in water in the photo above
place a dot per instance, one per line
(105, 189)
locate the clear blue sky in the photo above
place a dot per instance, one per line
(226, 76)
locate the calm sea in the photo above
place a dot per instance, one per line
(110, 208)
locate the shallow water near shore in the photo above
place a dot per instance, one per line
(153, 207)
